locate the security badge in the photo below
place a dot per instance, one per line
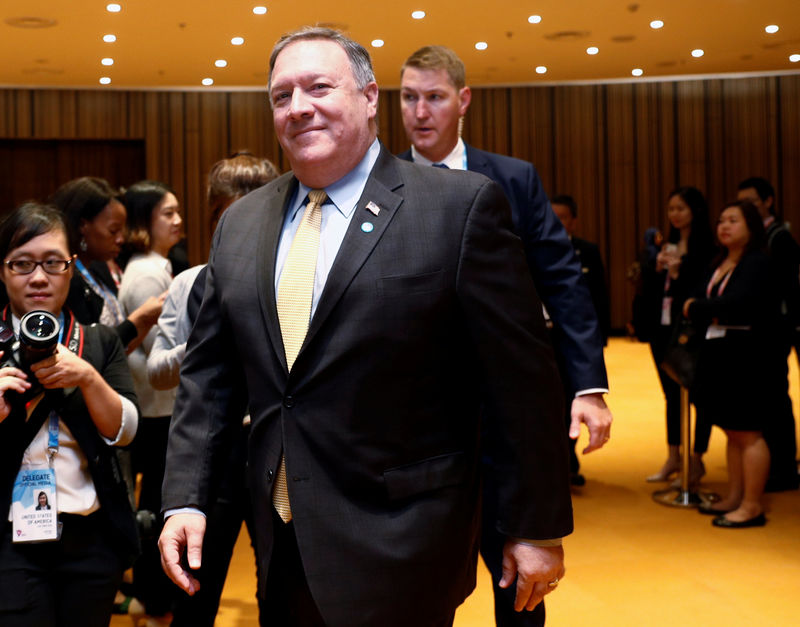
(34, 513)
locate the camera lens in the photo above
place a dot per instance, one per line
(39, 329)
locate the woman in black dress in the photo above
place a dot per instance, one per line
(738, 308)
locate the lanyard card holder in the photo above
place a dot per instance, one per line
(34, 513)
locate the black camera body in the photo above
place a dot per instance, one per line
(39, 331)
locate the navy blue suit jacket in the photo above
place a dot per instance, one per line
(555, 269)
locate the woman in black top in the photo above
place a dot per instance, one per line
(738, 308)
(96, 226)
(678, 268)
(70, 428)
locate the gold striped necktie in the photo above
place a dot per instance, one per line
(295, 292)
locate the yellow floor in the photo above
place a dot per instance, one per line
(632, 562)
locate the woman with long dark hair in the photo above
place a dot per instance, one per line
(678, 268)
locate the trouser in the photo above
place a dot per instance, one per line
(149, 452)
(60, 584)
(779, 429)
(492, 542)
(223, 524)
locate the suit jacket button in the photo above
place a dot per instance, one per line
(269, 475)
(288, 402)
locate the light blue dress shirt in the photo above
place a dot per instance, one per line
(337, 212)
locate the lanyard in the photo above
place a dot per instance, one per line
(714, 278)
(52, 438)
(101, 290)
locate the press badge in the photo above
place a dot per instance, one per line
(34, 513)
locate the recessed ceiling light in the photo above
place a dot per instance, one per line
(794, 58)
(105, 80)
(237, 41)
(377, 43)
(534, 19)
(259, 10)
(109, 39)
(698, 52)
(221, 63)
(772, 28)
(592, 50)
(481, 45)
(107, 61)
(656, 24)
(637, 71)
(207, 81)
(113, 8)
(418, 15)
(541, 69)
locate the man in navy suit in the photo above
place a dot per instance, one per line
(434, 99)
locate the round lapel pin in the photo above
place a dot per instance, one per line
(367, 227)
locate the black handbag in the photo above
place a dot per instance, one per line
(680, 357)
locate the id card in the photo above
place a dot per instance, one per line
(715, 332)
(34, 513)
(666, 311)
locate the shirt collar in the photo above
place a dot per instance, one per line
(345, 192)
(456, 160)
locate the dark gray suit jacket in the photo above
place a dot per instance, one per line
(420, 320)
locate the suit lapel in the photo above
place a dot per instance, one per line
(359, 241)
(271, 225)
(476, 162)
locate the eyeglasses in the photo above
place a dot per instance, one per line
(27, 266)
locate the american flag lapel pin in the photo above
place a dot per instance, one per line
(373, 208)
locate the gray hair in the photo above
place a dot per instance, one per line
(360, 62)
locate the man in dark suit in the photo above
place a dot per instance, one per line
(434, 99)
(588, 254)
(363, 452)
(780, 430)
(594, 276)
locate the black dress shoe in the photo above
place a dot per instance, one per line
(577, 479)
(703, 508)
(756, 521)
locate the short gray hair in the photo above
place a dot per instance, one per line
(360, 62)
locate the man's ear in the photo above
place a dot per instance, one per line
(464, 98)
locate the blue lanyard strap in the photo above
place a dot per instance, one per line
(101, 290)
(52, 437)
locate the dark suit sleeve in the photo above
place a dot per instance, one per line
(557, 275)
(525, 411)
(208, 404)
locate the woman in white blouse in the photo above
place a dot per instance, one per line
(154, 226)
(60, 419)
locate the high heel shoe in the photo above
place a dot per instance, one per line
(670, 467)
(697, 470)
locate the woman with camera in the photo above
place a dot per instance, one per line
(60, 418)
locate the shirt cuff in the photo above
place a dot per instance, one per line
(541, 543)
(127, 425)
(591, 391)
(182, 510)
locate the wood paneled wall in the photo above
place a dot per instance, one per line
(617, 148)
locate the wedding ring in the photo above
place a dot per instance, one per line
(553, 584)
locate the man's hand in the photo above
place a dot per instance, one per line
(592, 410)
(182, 531)
(534, 568)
